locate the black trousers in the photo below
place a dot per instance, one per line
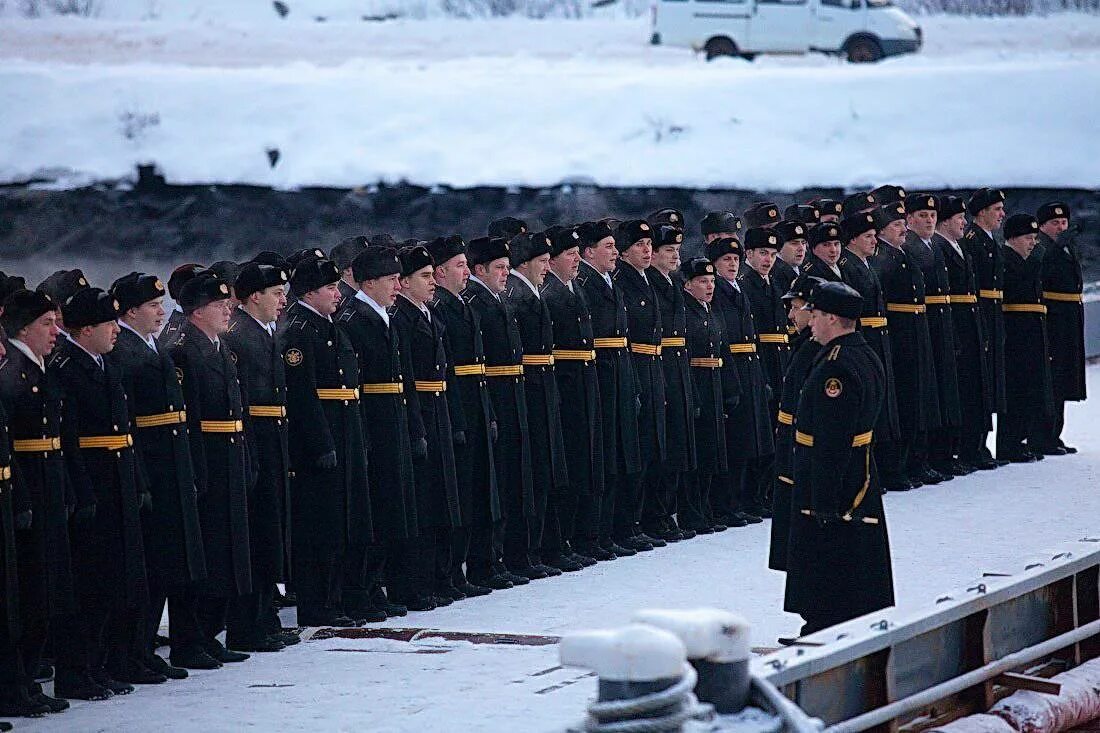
(694, 505)
(183, 625)
(486, 554)
(585, 527)
(630, 502)
(1013, 430)
(553, 537)
(1047, 432)
(517, 544)
(942, 446)
(248, 617)
(733, 490)
(84, 647)
(212, 612)
(460, 548)
(892, 458)
(318, 579)
(443, 562)
(355, 588)
(20, 658)
(662, 486)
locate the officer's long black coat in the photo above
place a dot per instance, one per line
(1028, 386)
(170, 332)
(706, 340)
(842, 568)
(802, 360)
(220, 460)
(9, 576)
(259, 362)
(385, 420)
(328, 508)
(347, 292)
(33, 402)
(471, 408)
(504, 347)
(941, 327)
(972, 368)
(989, 268)
(107, 551)
(748, 425)
(1065, 320)
(643, 318)
(618, 386)
(864, 280)
(782, 275)
(173, 537)
(679, 394)
(548, 469)
(436, 482)
(769, 316)
(910, 345)
(816, 266)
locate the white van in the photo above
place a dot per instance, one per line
(860, 30)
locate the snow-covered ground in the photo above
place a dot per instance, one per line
(1009, 102)
(942, 538)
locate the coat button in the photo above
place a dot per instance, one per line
(175, 432)
(330, 343)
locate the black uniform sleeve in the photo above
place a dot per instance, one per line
(836, 395)
(454, 399)
(81, 486)
(301, 392)
(192, 398)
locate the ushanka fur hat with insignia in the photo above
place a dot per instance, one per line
(89, 307)
(857, 202)
(888, 194)
(983, 198)
(311, 274)
(308, 254)
(483, 250)
(413, 259)
(720, 222)
(1053, 210)
(375, 262)
(255, 278)
(343, 253)
(666, 217)
(758, 238)
(839, 299)
(526, 247)
(884, 215)
(592, 233)
(915, 202)
(9, 284)
(724, 246)
(802, 287)
(506, 227)
(761, 214)
(202, 290)
(950, 206)
(180, 276)
(828, 207)
(668, 236)
(22, 308)
(857, 224)
(696, 267)
(790, 230)
(1019, 225)
(445, 248)
(824, 232)
(631, 232)
(802, 214)
(563, 239)
(63, 284)
(136, 289)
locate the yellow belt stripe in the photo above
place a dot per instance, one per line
(786, 418)
(35, 445)
(574, 355)
(1023, 308)
(858, 441)
(873, 322)
(469, 370)
(338, 393)
(109, 442)
(742, 348)
(906, 307)
(1063, 297)
(538, 360)
(673, 342)
(645, 349)
(423, 386)
(382, 388)
(937, 299)
(513, 370)
(774, 338)
(966, 298)
(161, 419)
(614, 342)
(992, 294)
(708, 362)
(221, 426)
(267, 410)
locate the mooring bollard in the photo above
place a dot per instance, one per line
(717, 645)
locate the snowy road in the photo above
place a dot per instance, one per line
(942, 538)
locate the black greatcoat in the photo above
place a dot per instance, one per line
(259, 363)
(816, 266)
(170, 332)
(578, 384)
(865, 281)
(1028, 388)
(910, 345)
(679, 392)
(769, 316)
(385, 419)
(805, 351)
(470, 406)
(1062, 284)
(536, 331)
(643, 315)
(941, 328)
(333, 507)
(107, 551)
(840, 569)
(504, 348)
(974, 375)
(618, 386)
(347, 292)
(173, 538)
(436, 483)
(9, 577)
(989, 272)
(782, 275)
(706, 341)
(220, 460)
(33, 402)
(748, 425)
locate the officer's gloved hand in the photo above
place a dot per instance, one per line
(420, 449)
(638, 403)
(146, 502)
(326, 461)
(731, 403)
(84, 514)
(769, 393)
(459, 437)
(23, 520)
(493, 431)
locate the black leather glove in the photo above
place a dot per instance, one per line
(731, 403)
(84, 514)
(23, 520)
(637, 403)
(146, 502)
(493, 433)
(420, 449)
(769, 393)
(459, 437)
(326, 461)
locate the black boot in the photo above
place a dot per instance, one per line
(264, 645)
(19, 704)
(79, 686)
(100, 676)
(472, 590)
(193, 658)
(156, 663)
(214, 648)
(136, 673)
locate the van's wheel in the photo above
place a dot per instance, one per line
(864, 51)
(720, 47)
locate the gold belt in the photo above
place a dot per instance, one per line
(574, 355)
(937, 299)
(469, 370)
(786, 418)
(906, 307)
(774, 338)
(613, 342)
(221, 426)
(645, 349)
(338, 393)
(673, 342)
(965, 298)
(512, 370)
(873, 322)
(538, 360)
(858, 441)
(708, 362)
(1063, 297)
(422, 386)
(992, 294)
(108, 442)
(742, 348)
(161, 419)
(267, 410)
(36, 445)
(382, 388)
(5, 473)
(1023, 308)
